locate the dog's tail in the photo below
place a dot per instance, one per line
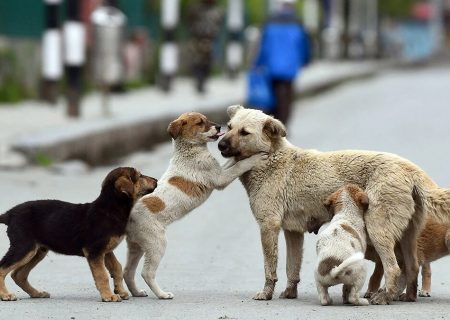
(438, 204)
(359, 256)
(4, 218)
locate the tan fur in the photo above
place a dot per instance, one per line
(4, 294)
(432, 244)
(20, 275)
(189, 125)
(154, 204)
(292, 185)
(192, 189)
(327, 264)
(115, 270)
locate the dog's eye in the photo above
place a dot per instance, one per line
(243, 132)
(229, 127)
(200, 123)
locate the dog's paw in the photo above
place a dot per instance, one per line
(407, 298)
(140, 293)
(326, 301)
(123, 294)
(166, 295)
(368, 295)
(8, 297)
(423, 293)
(41, 294)
(262, 295)
(380, 298)
(289, 293)
(362, 302)
(112, 298)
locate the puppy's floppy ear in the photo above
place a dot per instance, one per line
(124, 185)
(174, 128)
(363, 200)
(233, 109)
(273, 128)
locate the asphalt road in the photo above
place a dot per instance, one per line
(214, 263)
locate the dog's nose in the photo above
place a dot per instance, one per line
(218, 128)
(223, 145)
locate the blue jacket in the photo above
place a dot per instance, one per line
(284, 47)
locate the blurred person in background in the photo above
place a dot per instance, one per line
(204, 21)
(284, 50)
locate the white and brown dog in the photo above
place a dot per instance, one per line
(341, 246)
(191, 177)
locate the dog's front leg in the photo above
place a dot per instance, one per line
(232, 170)
(98, 269)
(294, 256)
(269, 239)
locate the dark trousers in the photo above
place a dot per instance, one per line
(283, 91)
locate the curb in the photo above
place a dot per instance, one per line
(101, 141)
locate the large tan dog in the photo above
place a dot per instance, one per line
(289, 189)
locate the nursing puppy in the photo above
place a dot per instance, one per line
(90, 230)
(341, 246)
(432, 244)
(192, 175)
(289, 188)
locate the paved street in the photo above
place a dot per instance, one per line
(214, 263)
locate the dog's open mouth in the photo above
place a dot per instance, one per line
(217, 135)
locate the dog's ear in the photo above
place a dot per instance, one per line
(363, 200)
(233, 109)
(273, 128)
(174, 128)
(124, 185)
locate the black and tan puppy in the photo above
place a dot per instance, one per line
(90, 230)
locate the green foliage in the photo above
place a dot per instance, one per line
(396, 8)
(43, 160)
(11, 90)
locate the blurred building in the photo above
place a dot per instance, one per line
(340, 29)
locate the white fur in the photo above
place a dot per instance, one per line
(146, 231)
(336, 242)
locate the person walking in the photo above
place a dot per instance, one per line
(284, 50)
(204, 21)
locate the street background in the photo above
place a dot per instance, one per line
(379, 80)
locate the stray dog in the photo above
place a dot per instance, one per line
(341, 246)
(90, 230)
(432, 244)
(289, 188)
(191, 177)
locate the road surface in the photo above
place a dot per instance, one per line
(214, 263)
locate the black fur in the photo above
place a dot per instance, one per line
(69, 228)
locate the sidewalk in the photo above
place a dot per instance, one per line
(139, 119)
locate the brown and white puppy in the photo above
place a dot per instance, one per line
(289, 188)
(90, 230)
(432, 244)
(191, 177)
(341, 246)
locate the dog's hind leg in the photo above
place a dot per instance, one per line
(20, 275)
(426, 280)
(154, 251)
(375, 279)
(324, 297)
(294, 253)
(358, 279)
(134, 254)
(384, 244)
(16, 257)
(115, 270)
